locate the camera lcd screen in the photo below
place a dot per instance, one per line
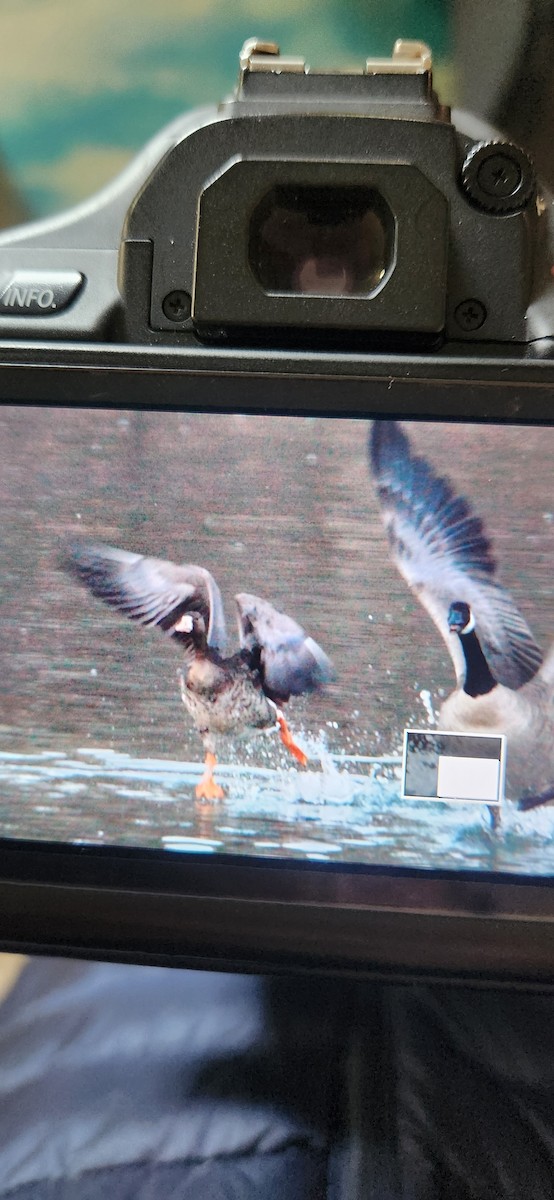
(383, 693)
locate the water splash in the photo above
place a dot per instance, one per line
(426, 700)
(348, 809)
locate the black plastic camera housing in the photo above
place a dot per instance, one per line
(321, 244)
(307, 209)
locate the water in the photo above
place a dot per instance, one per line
(95, 745)
(102, 797)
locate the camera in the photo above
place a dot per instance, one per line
(308, 205)
(298, 354)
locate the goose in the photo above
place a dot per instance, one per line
(230, 695)
(441, 549)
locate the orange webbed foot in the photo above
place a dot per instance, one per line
(208, 789)
(288, 741)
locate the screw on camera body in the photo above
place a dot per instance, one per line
(499, 175)
(176, 306)
(470, 315)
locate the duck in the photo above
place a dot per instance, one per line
(223, 695)
(439, 544)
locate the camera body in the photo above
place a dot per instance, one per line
(321, 252)
(310, 210)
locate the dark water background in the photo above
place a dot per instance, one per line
(94, 742)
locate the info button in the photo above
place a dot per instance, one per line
(38, 293)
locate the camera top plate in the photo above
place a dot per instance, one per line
(319, 209)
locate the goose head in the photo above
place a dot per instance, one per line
(460, 618)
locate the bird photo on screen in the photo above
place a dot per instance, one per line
(224, 695)
(441, 548)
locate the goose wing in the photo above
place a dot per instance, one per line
(289, 661)
(150, 590)
(440, 547)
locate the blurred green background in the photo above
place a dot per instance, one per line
(84, 83)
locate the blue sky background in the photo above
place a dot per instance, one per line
(85, 82)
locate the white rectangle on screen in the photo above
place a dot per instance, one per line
(468, 779)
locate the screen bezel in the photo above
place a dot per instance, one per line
(274, 914)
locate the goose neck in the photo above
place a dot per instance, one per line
(478, 678)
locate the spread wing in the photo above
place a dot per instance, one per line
(289, 661)
(150, 590)
(440, 547)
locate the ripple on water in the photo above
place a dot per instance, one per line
(191, 845)
(311, 847)
(336, 812)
